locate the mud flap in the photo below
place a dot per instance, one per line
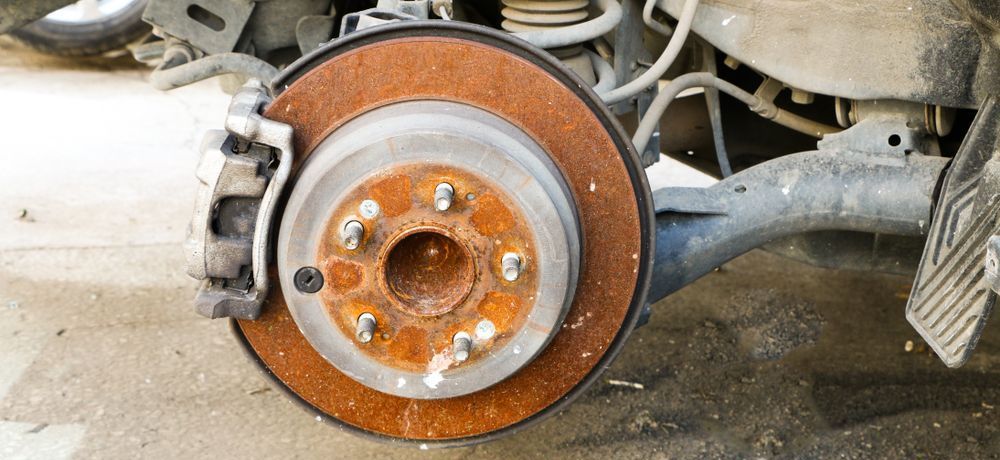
(954, 290)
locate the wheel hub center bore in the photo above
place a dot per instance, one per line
(448, 244)
(426, 271)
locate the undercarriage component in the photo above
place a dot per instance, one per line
(480, 236)
(825, 46)
(212, 26)
(243, 173)
(168, 76)
(541, 15)
(956, 284)
(699, 229)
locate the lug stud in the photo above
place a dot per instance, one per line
(461, 346)
(511, 266)
(443, 195)
(366, 328)
(353, 232)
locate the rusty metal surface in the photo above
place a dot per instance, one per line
(615, 255)
(426, 275)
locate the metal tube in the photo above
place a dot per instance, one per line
(660, 103)
(212, 66)
(764, 108)
(803, 125)
(653, 74)
(647, 17)
(605, 73)
(700, 229)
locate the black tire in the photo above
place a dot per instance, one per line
(85, 39)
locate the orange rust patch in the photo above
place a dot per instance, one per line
(410, 345)
(393, 195)
(343, 276)
(500, 308)
(491, 217)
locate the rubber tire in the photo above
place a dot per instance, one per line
(87, 39)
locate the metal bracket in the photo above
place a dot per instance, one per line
(213, 26)
(227, 244)
(385, 12)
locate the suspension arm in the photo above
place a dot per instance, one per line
(698, 229)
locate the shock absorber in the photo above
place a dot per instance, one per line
(543, 15)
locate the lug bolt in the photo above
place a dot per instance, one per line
(443, 195)
(511, 266)
(353, 232)
(461, 346)
(366, 327)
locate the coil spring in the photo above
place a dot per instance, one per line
(531, 15)
(541, 15)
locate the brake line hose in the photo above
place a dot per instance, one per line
(652, 75)
(765, 108)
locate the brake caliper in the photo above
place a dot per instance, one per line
(242, 170)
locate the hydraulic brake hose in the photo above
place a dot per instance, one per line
(707, 80)
(212, 66)
(653, 74)
(656, 26)
(605, 73)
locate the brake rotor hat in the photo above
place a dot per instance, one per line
(481, 225)
(447, 226)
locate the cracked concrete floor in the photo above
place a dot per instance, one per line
(101, 355)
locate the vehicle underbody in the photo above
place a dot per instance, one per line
(429, 221)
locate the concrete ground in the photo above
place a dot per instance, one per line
(102, 356)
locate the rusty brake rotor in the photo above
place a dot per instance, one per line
(481, 225)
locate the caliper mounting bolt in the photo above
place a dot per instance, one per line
(443, 194)
(511, 266)
(366, 327)
(461, 346)
(353, 232)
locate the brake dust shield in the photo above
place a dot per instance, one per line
(487, 70)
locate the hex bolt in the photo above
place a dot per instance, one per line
(308, 280)
(353, 232)
(461, 345)
(511, 266)
(366, 327)
(443, 195)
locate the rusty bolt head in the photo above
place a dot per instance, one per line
(308, 280)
